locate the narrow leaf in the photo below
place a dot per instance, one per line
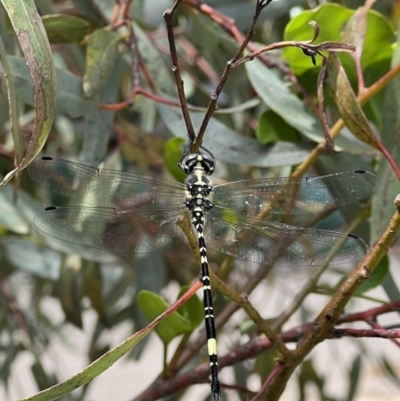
(354, 377)
(377, 278)
(98, 366)
(382, 203)
(27, 256)
(31, 35)
(93, 287)
(12, 101)
(70, 98)
(227, 145)
(279, 98)
(69, 290)
(192, 309)
(174, 325)
(172, 155)
(62, 28)
(355, 29)
(346, 102)
(101, 55)
(273, 128)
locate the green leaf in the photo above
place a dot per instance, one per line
(273, 128)
(90, 10)
(155, 63)
(42, 379)
(69, 290)
(12, 101)
(29, 29)
(378, 42)
(172, 154)
(93, 288)
(10, 211)
(94, 369)
(354, 30)
(266, 361)
(63, 28)
(309, 374)
(382, 203)
(299, 30)
(192, 309)
(8, 361)
(174, 325)
(27, 256)
(98, 122)
(346, 102)
(391, 288)
(391, 370)
(101, 54)
(354, 377)
(227, 145)
(279, 98)
(331, 18)
(70, 98)
(377, 277)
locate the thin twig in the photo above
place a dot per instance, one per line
(168, 17)
(256, 345)
(212, 105)
(321, 106)
(328, 317)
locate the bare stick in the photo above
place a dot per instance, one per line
(212, 105)
(321, 104)
(168, 16)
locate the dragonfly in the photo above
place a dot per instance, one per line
(128, 213)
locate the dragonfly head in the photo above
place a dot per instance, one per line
(198, 161)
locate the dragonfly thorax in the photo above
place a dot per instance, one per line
(198, 185)
(198, 192)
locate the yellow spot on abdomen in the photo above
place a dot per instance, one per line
(212, 346)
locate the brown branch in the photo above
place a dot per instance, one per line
(364, 333)
(328, 317)
(259, 344)
(212, 105)
(168, 17)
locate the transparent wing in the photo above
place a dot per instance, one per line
(113, 231)
(283, 245)
(107, 188)
(293, 196)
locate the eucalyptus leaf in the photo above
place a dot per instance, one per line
(93, 288)
(382, 205)
(17, 215)
(272, 128)
(354, 376)
(346, 102)
(101, 54)
(69, 290)
(278, 97)
(192, 310)
(377, 277)
(173, 153)
(27, 256)
(227, 145)
(98, 121)
(34, 44)
(69, 99)
(174, 325)
(61, 28)
(331, 18)
(155, 63)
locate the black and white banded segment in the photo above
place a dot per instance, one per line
(127, 212)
